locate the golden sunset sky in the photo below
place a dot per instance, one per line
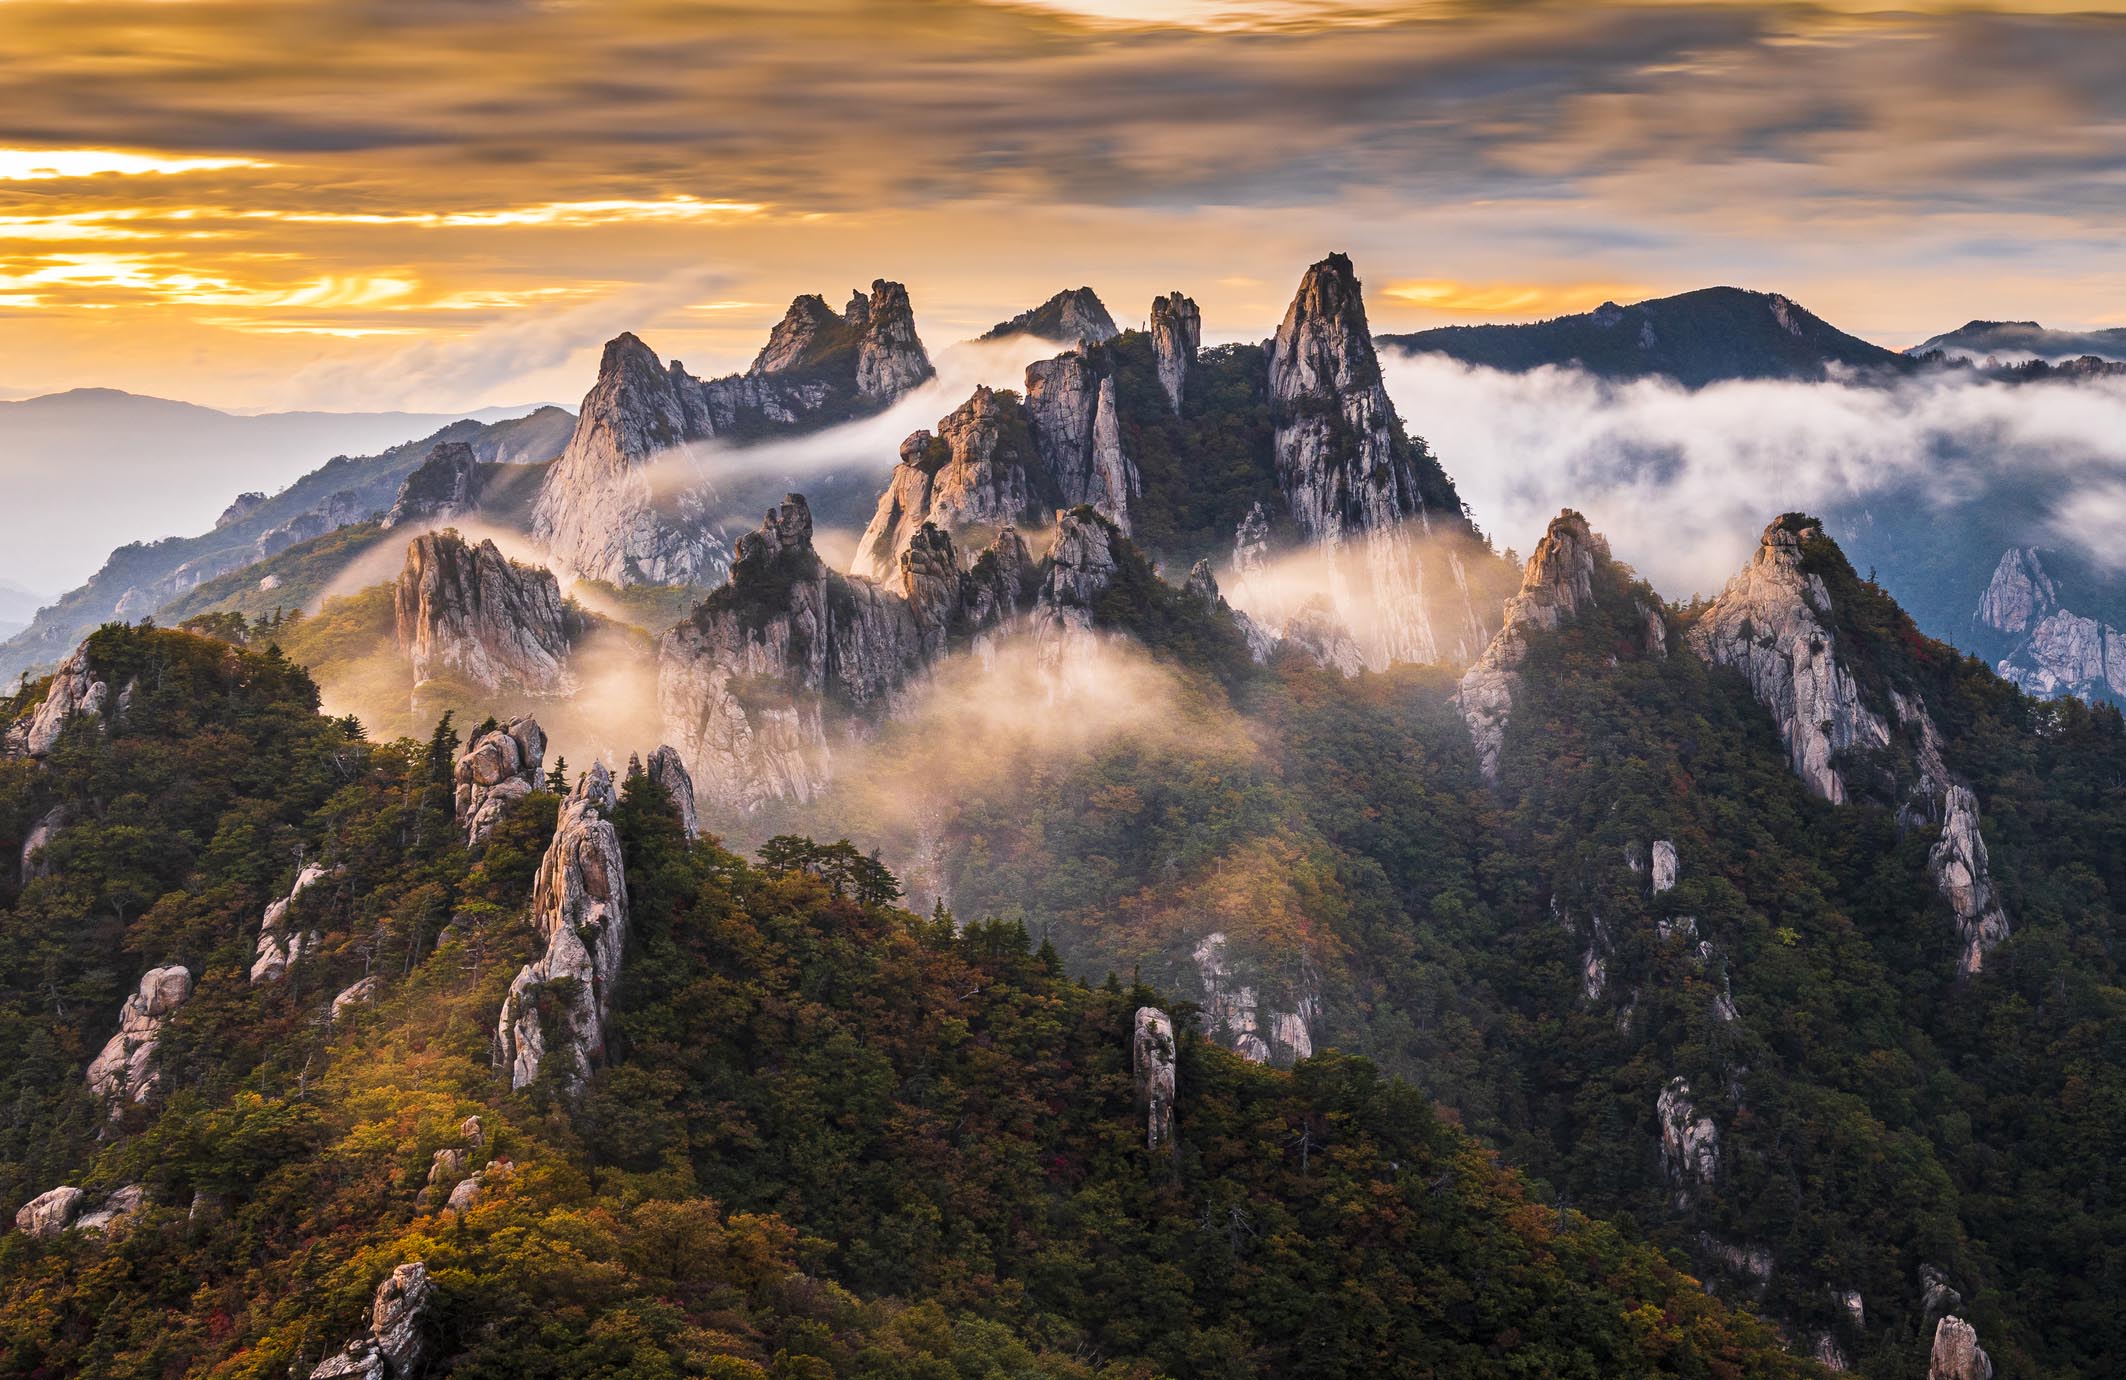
(440, 204)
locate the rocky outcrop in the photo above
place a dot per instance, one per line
(1235, 1015)
(499, 768)
(122, 1203)
(788, 656)
(1957, 1354)
(243, 506)
(446, 485)
(471, 611)
(1202, 585)
(1690, 1143)
(342, 509)
(1077, 433)
(1152, 1061)
(557, 1006)
(606, 515)
(1353, 480)
(77, 689)
(1076, 316)
(1665, 869)
(1958, 863)
(50, 1212)
(448, 1165)
(1006, 459)
(39, 838)
(1557, 585)
(1772, 624)
(2020, 593)
(1177, 333)
(358, 993)
(124, 1072)
(1316, 633)
(393, 1347)
(669, 770)
(279, 943)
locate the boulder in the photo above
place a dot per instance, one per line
(50, 1212)
(499, 768)
(124, 1072)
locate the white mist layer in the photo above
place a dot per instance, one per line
(1683, 482)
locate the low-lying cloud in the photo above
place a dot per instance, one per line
(1683, 482)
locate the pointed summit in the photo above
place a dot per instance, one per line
(1557, 585)
(605, 517)
(1076, 316)
(1177, 333)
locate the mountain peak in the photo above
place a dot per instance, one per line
(1075, 315)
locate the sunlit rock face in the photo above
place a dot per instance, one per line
(557, 1006)
(394, 1346)
(471, 611)
(446, 485)
(499, 768)
(1770, 624)
(2056, 651)
(280, 943)
(77, 688)
(605, 510)
(1958, 862)
(1557, 584)
(1957, 1354)
(124, 1072)
(669, 770)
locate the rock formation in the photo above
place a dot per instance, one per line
(1203, 586)
(39, 838)
(579, 906)
(124, 1072)
(1076, 316)
(668, 770)
(1152, 1061)
(1690, 1143)
(342, 509)
(1665, 870)
(746, 682)
(77, 688)
(606, 516)
(1000, 459)
(1234, 1014)
(2052, 650)
(280, 944)
(444, 486)
(50, 1212)
(1177, 333)
(393, 1347)
(1316, 633)
(358, 993)
(1557, 584)
(1957, 1354)
(243, 506)
(471, 611)
(1351, 477)
(123, 1202)
(499, 768)
(1771, 623)
(1958, 862)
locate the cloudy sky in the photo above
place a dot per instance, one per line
(439, 204)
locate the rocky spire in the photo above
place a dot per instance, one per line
(579, 906)
(1077, 432)
(124, 1072)
(2020, 594)
(669, 771)
(605, 516)
(1690, 1143)
(1351, 476)
(499, 768)
(1152, 1061)
(1958, 862)
(279, 943)
(1177, 333)
(1771, 623)
(445, 485)
(1076, 316)
(1957, 1354)
(1557, 585)
(393, 1347)
(472, 611)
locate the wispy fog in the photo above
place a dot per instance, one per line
(1682, 482)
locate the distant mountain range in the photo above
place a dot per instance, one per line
(160, 466)
(1695, 338)
(2013, 341)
